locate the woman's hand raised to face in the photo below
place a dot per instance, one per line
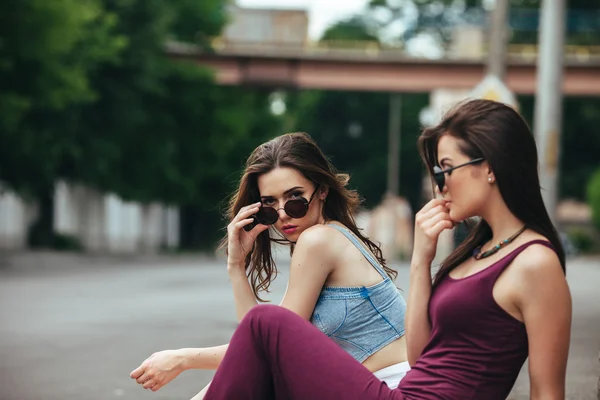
(240, 242)
(430, 221)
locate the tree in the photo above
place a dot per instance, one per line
(352, 128)
(593, 197)
(437, 18)
(405, 20)
(162, 130)
(580, 142)
(46, 53)
(353, 28)
(89, 95)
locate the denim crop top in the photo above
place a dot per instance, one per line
(361, 320)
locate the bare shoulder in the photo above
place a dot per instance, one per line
(323, 238)
(315, 235)
(539, 272)
(314, 247)
(538, 259)
(315, 238)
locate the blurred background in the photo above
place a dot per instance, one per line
(125, 124)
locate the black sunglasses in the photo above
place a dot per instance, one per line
(295, 208)
(439, 175)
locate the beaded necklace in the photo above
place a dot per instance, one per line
(479, 255)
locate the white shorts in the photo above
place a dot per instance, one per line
(393, 374)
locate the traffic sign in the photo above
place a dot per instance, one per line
(492, 88)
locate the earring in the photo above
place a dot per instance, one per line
(490, 179)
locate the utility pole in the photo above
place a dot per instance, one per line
(498, 37)
(393, 176)
(548, 99)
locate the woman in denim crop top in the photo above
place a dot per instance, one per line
(499, 298)
(290, 193)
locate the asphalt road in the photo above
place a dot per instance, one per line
(73, 327)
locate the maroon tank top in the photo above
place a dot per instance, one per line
(476, 349)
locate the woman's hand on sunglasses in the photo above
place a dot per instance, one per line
(240, 242)
(430, 221)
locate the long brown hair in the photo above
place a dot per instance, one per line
(498, 134)
(299, 151)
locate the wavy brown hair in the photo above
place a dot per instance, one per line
(299, 151)
(498, 134)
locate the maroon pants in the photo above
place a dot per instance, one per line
(275, 354)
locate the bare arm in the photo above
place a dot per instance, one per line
(242, 292)
(545, 303)
(418, 327)
(239, 244)
(430, 221)
(203, 358)
(310, 267)
(311, 264)
(164, 366)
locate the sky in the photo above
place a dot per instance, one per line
(322, 13)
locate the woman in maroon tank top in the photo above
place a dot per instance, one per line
(501, 297)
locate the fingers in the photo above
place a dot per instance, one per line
(243, 215)
(247, 211)
(242, 223)
(427, 227)
(258, 229)
(150, 384)
(433, 221)
(440, 226)
(136, 373)
(441, 209)
(157, 386)
(146, 376)
(423, 218)
(148, 381)
(430, 205)
(430, 222)
(255, 231)
(143, 378)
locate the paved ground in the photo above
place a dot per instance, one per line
(73, 327)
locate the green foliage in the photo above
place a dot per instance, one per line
(161, 130)
(580, 142)
(352, 129)
(593, 197)
(40, 236)
(438, 18)
(349, 29)
(582, 240)
(88, 94)
(47, 50)
(67, 243)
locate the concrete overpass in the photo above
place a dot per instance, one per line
(377, 69)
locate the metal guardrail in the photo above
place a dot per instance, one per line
(374, 48)
(348, 50)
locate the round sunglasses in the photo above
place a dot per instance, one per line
(295, 208)
(439, 175)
